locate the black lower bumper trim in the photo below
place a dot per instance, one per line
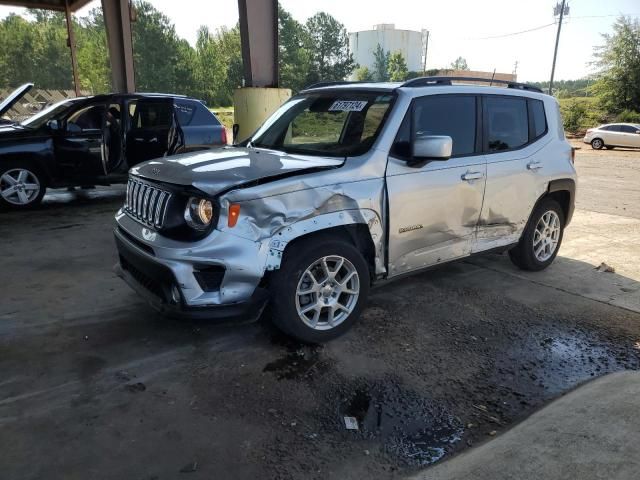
(154, 281)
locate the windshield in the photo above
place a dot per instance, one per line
(49, 113)
(329, 124)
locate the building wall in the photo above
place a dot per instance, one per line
(408, 42)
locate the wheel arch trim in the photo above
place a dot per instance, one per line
(276, 245)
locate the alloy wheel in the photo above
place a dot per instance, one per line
(546, 236)
(19, 186)
(327, 292)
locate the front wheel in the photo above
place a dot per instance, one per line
(542, 237)
(21, 187)
(320, 290)
(597, 143)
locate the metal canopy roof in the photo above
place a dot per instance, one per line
(59, 5)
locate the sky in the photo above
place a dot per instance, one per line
(457, 28)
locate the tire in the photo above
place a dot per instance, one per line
(597, 144)
(21, 186)
(524, 254)
(303, 269)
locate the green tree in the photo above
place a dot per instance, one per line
(397, 68)
(327, 42)
(618, 60)
(363, 74)
(293, 57)
(381, 64)
(93, 60)
(155, 50)
(459, 64)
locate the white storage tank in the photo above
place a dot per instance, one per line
(408, 42)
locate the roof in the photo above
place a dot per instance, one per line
(47, 4)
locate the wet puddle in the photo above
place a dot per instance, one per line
(412, 428)
(552, 362)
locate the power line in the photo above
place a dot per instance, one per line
(554, 23)
(515, 33)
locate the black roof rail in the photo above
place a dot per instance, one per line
(330, 83)
(434, 81)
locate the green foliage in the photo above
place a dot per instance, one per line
(618, 80)
(567, 88)
(381, 64)
(363, 74)
(327, 42)
(579, 114)
(294, 55)
(397, 68)
(459, 64)
(413, 74)
(628, 116)
(34, 49)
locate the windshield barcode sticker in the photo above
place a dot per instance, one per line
(348, 106)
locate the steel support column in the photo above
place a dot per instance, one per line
(71, 41)
(117, 20)
(259, 38)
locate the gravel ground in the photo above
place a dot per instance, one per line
(95, 385)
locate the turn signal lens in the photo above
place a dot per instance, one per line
(234, 214)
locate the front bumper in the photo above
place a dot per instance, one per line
(157, 282)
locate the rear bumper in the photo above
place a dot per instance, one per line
(157, 284)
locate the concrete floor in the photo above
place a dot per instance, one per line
(95, 385)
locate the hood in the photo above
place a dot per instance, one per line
(218, 170)
(13, 97)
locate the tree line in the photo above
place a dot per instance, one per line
(35, 50)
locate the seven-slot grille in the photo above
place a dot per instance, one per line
(146, 203)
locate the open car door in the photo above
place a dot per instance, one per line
(11, 99)
(150, 129)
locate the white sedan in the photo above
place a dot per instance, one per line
(613, 135)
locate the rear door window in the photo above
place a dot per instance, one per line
(146, 114)
(506, 123)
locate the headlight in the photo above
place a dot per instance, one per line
(198, 213)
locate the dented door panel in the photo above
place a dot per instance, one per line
(433, 211)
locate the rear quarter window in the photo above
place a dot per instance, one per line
(194, 114)
(537, 118)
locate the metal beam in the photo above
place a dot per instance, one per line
(259, 39)
(71, 41)
(117, 21)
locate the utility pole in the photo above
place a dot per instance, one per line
(562, 11)
(426, 48)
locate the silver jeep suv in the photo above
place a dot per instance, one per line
(347, 186)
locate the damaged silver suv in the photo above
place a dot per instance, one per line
(344, 187)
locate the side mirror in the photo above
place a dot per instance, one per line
(431, 147)
(53, 125)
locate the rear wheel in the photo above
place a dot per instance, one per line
(21, 187)
(542, 237)
(320, 290)
(597, 143)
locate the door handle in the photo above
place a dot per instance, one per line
(534, 165)
(467, 177)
